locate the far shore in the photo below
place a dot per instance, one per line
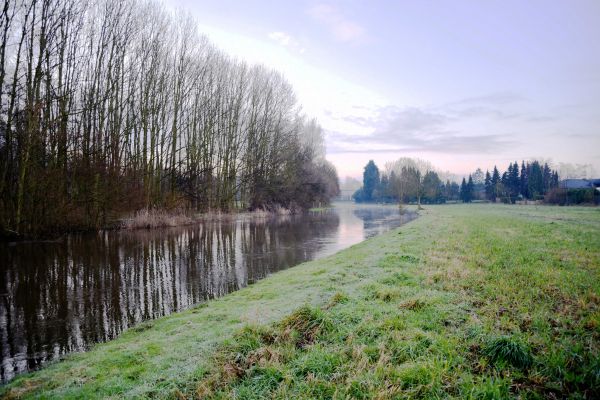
(158, 218)
(154, 218)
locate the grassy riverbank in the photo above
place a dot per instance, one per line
(468, 301)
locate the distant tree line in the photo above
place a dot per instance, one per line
(532, 181)
(112, 106)
(405, 181)
(415, 181)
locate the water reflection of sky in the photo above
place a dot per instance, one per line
(57, 298)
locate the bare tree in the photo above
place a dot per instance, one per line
(108, 107)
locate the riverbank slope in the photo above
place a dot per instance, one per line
(468, 301)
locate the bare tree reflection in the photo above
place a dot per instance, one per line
(57, 298)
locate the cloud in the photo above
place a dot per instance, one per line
(448, 142)
(409, 119)
(480, 111)
(494, 105)
(584, 136)
(494, 99)
(342, 28)
(395, 129)
(286, 41)
(499, 106)
(393, 118)
(541, 118)
(281, 37)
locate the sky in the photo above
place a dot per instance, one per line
(462, 84)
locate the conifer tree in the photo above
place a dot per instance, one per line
(370, 180)
(535, 181)
(470, 189)
(547, 178)
(513, 181)
(495, 183)
(488, 185)
(523, 181)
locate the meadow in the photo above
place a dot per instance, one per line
(474, 301)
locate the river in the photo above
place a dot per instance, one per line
(62, 297)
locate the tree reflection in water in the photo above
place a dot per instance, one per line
(57, 298)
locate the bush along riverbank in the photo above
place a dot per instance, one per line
(153, 218)
(478, 301)
(156, 218)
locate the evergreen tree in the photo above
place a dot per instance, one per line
(432, 188)
(535, 181)
(463, 191)
(370, 180)
(359, 195)
(488, 186)
(547, 177)
(523, 187)
(514, 182)
(454, 191)
(470, 189)
(495, 183)
(381, 192)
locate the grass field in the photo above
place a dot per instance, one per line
(468, 301)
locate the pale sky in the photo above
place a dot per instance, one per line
(462, 84)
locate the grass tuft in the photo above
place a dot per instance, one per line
(304, 325)
(337, 298)
(387, 295)
(413, 304)
(508, 350)
(250, 338)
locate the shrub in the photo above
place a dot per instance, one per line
(563, 196)
(154, 218)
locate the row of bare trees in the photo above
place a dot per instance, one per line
(112, 106)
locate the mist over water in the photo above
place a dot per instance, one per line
(62, 297)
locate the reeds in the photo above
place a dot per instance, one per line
(155, 218)
(150, 218)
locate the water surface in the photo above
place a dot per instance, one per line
(61, 297)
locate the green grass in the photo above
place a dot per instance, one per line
(468, 301)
